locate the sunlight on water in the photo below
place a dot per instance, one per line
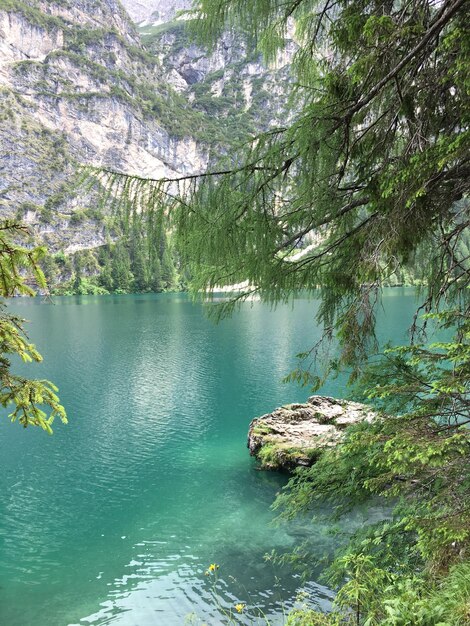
(115, 519)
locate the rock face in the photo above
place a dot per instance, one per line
(77, 86)
(295, 434)
(154, 11)
(80, 84)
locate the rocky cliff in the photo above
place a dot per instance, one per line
(155, 11)
(80, 83)
(77, 86)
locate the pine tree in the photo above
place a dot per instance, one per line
(26, 398)
(369, 178)
(121, 268)
(155, 273)
(138, 265)
(78, 273)
(168, 272)
(50, 271)
(370, 169)
(139, 271)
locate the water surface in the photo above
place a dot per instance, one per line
(115, 518)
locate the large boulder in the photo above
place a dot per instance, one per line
(296, 434)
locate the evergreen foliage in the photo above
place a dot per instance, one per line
(138, 262)
(32, 402)
(371, 173)
(368, 178)
(417, 459)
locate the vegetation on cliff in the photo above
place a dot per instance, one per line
(135, 263)
(68, 67)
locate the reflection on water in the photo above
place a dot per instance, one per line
(115, 518)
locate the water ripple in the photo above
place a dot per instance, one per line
(115, 519)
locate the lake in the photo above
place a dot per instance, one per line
(116, 517)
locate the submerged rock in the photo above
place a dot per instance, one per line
(295, 434)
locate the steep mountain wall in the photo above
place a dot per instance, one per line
(155, 11)
(237, 93)
(77, 86)
(81, 84)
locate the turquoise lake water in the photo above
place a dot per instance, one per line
(115, 518)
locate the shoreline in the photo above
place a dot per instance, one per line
(221, 291)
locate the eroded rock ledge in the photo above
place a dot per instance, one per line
(295, 434)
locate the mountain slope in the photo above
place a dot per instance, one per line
(76, 85)
(154, 11)
(79, 83)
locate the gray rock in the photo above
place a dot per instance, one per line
(296, 434)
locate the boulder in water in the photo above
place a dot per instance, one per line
(296, 434)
